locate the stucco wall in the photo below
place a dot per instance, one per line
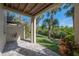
(14, 32)
(22, 31)
(76, 23)
(2, 27)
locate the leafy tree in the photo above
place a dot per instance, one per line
(10, 17)
(50, 22)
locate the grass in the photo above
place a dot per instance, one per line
(42, 39)
(50, 44)
(76, 53)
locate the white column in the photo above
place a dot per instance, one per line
(76, 23)
(2, 27)
(33, 29)
(24, 32)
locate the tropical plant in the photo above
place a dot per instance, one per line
(50, 22)
(70, 11)
(10, 17)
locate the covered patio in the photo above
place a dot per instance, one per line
(25, 48)
(20, 47)
(32, 10)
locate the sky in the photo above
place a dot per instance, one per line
(24, 18)
(62, 18)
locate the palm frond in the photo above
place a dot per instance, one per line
(70, 12)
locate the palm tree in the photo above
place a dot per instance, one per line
(70, 12)
(49, 24)
(70, 9)
(10, 17)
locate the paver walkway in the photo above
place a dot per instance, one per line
(24, 48)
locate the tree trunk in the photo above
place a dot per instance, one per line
(49, 29)
(49, 32)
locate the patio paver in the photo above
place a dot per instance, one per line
(24, 48)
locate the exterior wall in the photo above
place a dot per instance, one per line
(76, 23)
(14, 32)
(2, 29)
(21, 31)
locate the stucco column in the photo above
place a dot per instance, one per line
(33, 29)
(2, 27)
(24, 32)
(76, 23)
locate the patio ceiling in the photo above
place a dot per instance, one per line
(31, 9)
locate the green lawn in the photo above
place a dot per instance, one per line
(76, 53)
(50, 44)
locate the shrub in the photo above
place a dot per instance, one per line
(69, 37)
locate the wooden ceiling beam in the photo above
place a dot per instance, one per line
(36, 7)
(12, 5)
(20, 12)
(8, 4)
(19, 6)
(41, 8)
(33, 7)
(29, 7)
(25, 8)
(51, 7)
